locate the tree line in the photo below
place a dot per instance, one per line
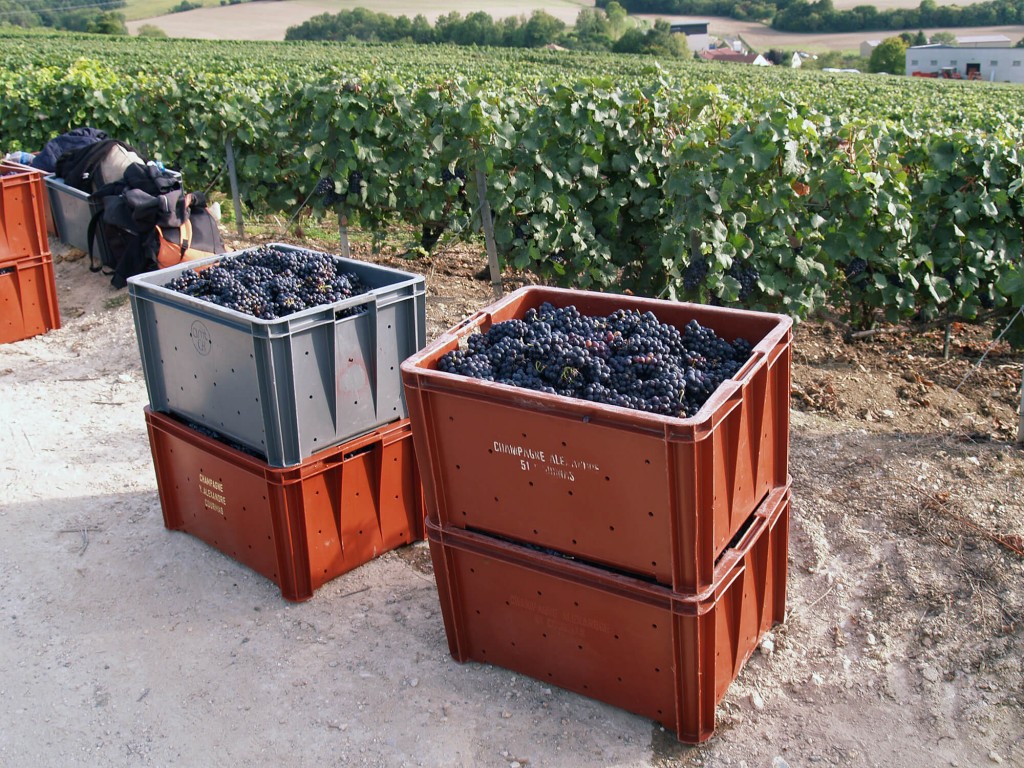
(100, 16)
(607, 29)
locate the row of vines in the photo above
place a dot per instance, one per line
(872, 197)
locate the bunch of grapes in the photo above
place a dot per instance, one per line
(269, 283)
(627, 359)
(747, 277)
(696, 271)
(325, 190)
(355, 183)
(855, 267)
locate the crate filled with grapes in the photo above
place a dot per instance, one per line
(284, 350)
(633, 433)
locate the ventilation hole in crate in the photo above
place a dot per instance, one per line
(490, 450)
(608, 479)
(472, 570)
(551, 674)
(495, 498)
(611, 527)
(654, 626)
(508, 603)
(458, 466)
(513, 643)
(452, 418)
(232, 370)
(576, 603)
(175, 349)
(307, 353)
(579, 647)
(654, 563)
(659, 711)
(310, 397)
(524, 434)
(351, 360)
(477, 611)
(650, 514)
(658, 670)
(535, 532)
(483, 652)
(570, 493)
(574, 541)
(464, 513)
(615, 636)
(531, 483)
(360, 532)
(647, 461)
(619, 679)
(539, 593)
(195, 376)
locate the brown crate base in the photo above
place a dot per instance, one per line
(630, 643)
(302, 526)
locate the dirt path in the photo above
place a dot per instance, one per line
(124, 644)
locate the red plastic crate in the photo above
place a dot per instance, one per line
(28, 298)
(301, 526)
(51, 226)
(22, 213)
(657, 496)
(630, 643)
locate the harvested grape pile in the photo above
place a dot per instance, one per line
(268, 283)
(627, 359)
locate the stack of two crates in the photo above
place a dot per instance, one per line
(284, 443)
(28, 290)
(632, 558)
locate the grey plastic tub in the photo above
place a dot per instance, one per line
(71, 212)
(284, 388)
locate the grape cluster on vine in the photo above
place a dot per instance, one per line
(855, 267)
(268, 283)
(627, 359)
(747, 276)
(694, 274)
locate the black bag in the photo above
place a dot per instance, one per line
(147, 221)
(90, 167)
(46, 160)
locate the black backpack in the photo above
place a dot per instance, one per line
(92, 166)
(147, 221)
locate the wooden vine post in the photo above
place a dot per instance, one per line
(487, 225)
(233, 176)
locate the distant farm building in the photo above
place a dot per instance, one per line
(1001, 65)
(867, 47)
(735, 57)
(983, 41)
(697, 37)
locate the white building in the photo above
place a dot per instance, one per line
(984, 41)
(1001, 65)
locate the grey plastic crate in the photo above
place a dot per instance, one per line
(71, 212)
(285, 388)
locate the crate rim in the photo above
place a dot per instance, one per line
(157, 291)
(721, 402)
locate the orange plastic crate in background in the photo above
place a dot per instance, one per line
(299, 526)
(22, 213)
(28, 298)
